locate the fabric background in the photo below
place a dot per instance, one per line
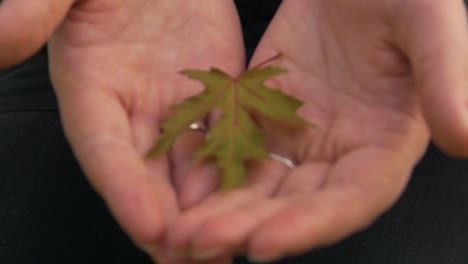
(49, 214)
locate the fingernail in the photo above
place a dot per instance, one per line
(202, 255)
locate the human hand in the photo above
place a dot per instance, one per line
(377, 77)
(25, 26)
(114, 66)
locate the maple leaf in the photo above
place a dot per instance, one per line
(235, 138)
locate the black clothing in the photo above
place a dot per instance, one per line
(49, 214)
(27, 86)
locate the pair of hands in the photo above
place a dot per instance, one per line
(379, 78)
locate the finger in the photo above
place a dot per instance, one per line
(202, 260)
(228, 232)
(359, 188)
(305, 179)
(434, 35)
(98, 129)
(219, 260)
(204, 178)
(198, 178)
(183, 154)
(264, 176)
(180, 234)
(201, 180)
(145, 130)
(25, 27)
(164, 256)
(193, 178)
(199, 235)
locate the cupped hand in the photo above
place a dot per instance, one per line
(115, 69)
(377, 78)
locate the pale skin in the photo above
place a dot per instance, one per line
(115, 69)
(378, 77)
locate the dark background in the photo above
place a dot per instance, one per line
(49, 214)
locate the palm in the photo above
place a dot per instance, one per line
(115, 70)
(359, 90)
(357, 87)
(138, 48)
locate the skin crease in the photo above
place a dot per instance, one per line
(114, 66)
(379, 78)
(133, 53)
(373, 76)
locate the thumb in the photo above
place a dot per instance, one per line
(99, 132)
(26, 25)
(434, 35)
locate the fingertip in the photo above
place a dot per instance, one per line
(454, 145)
(16, 54)
(16, 45)
(439, 67)
(447, 118)
(25, 27)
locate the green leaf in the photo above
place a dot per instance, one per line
(235, 138)
(192, 109)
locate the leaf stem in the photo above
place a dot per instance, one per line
(277, 56)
